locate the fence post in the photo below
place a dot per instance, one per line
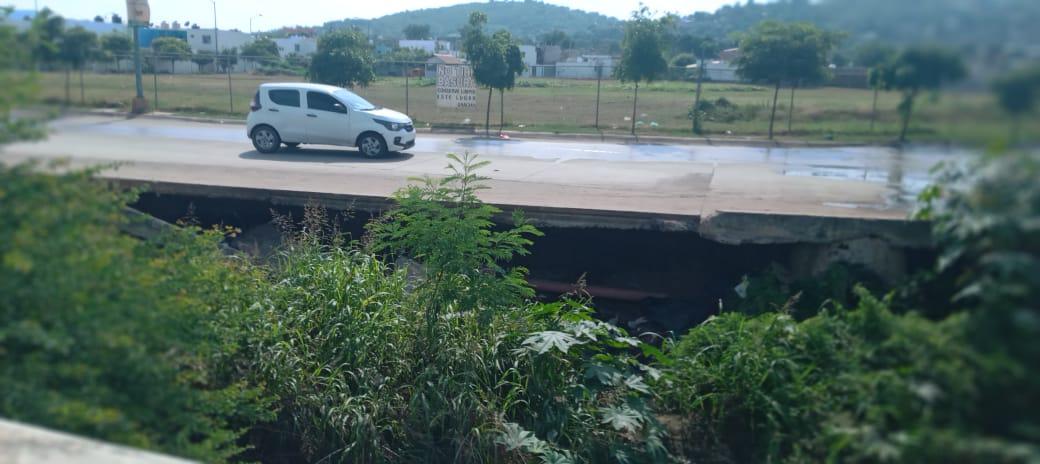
(406, 72)
(231, 97)
(155, 82)
(599, 81)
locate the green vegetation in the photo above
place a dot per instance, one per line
(870, 383)
(328, 353)
(344, 58)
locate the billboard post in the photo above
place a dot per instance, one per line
(138, 15)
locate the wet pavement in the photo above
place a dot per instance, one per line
(688, 180)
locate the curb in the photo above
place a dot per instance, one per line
(600, 137)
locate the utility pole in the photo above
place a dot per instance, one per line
(216, 33)
(251, 18)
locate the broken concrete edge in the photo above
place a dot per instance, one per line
(731, 228)
(575, 136)
(30, 444)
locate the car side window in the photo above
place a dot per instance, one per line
(324, 102)
(285, 97)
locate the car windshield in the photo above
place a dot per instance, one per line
(353, 101)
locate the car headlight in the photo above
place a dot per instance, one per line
(392, 126)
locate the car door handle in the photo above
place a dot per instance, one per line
(309, 115)
(273, 110)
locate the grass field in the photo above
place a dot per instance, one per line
(558, 105)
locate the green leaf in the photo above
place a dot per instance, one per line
(514, 437)
(621, 418)
(541, 342)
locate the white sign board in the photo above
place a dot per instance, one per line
(138, 13)
(456, 88)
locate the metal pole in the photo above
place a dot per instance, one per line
(231, 98)
(599, 82)
(137, 62)
(406, 72)
(155, 81)
(216, 32)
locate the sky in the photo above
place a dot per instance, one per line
(236, 14)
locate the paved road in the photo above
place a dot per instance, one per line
(871, 183)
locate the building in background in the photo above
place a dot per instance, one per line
(429, 46)
(586, 67)
(439, 59)
(530, 54)
(296, 45)
(203, 39)
(149, 34)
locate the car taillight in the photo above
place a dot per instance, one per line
(255, 104)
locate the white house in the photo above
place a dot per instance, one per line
(429, 46)
(296, 44)
(530, 54)
(202, 39)
(586, 67)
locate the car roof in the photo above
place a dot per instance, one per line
(301, 86)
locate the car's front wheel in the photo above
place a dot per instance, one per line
(266, 139)
(372, 145)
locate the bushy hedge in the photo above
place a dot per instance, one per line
(866, 383)
(111, 337)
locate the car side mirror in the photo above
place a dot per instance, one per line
(339, 107)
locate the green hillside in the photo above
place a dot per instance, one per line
(526, 20)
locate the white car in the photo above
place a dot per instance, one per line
(295, 113)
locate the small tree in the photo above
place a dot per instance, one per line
(918, 69)
(1017, 94)
(44, 37)
(496, 59)
(703, 48)
(344, 58)
(228, 59)
(99, 19)
(262, 50)
(776, 53)
(116, 45)
(116, 19)
(875, 56)
(203, 58)
(77, 46)
(417, 31)
(556, 37)
(172, 49)
(641, 54)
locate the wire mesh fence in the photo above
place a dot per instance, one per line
(564, 98)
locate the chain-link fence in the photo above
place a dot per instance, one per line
(567, 97)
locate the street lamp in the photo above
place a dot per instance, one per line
(261, 15)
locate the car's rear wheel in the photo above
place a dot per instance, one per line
(372, 145)
(266, 139)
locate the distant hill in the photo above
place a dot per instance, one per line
(974, 26)
(525, 20)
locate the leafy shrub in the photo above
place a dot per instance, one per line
(107, 336)
(722, 110)
(847, 385)
(452, 363)
(986, 218)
